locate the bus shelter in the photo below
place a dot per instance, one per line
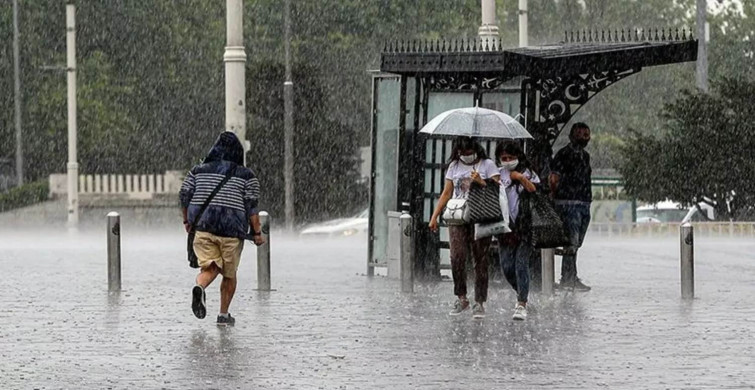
(543, 86)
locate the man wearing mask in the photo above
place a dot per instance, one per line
(570, 186)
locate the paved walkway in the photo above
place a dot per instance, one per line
(329, 327)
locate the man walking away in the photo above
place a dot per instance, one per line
(223, 226)
(570, 186)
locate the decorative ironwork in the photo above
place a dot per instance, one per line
(464, 81)
(627, 35)
(560, 98)
(463, 45)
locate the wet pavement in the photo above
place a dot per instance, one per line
(330, 327)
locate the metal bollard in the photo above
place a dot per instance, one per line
(263, 254)
(407, 256)
(548, 259)
(113, 252)
(688, 260)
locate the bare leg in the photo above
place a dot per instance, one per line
(207, 275)
(227, 289)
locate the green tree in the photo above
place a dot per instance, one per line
(706, 155)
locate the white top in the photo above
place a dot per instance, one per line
(461, 175)
(514, 189)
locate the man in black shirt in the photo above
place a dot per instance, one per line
(570, 185)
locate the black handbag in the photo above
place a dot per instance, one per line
(483, 203)
(538, 222)
(192, 257)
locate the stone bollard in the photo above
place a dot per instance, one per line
(547, 257)
(113, 252)
(263, 254)
(407, 256)
(687, 260)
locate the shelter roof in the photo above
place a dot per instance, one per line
(580, 53)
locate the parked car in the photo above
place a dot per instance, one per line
(342, 227)
(673, 212)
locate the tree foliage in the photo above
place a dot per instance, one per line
(151, 90)
(706, 155)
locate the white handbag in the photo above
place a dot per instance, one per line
(456, 212)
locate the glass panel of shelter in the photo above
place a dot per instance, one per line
(387, 91)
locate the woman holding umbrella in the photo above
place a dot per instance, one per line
(468, 163)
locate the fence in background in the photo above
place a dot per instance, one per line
(702, 229)
(128, 184)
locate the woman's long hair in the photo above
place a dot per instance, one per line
(512, 148)
(467, 143)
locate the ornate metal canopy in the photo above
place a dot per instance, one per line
(578, 53)
(557, 79)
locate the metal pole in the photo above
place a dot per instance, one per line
(702, 46)
(263, 255)
(548, 259)
(235, 76)
(288, 126)
(523, 24)
(73, 165)
(407, 254)
(488, 31)
(17, 98)
(113, 252)
(688, 260)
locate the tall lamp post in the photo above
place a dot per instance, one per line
(488, 31)
(73, 166)
(17, 98)
(288, 125)
(523, 25)
(702, 45)
(235, 76)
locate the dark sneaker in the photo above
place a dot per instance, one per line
(478, 311)
(575, 285)
(198, 302)
(459, 307)
(226, 321)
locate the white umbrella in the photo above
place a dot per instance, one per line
(475, 122)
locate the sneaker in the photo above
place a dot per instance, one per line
(198, 302)
(459, 307)
(226, 321)
(576, 285)
(478, 311)
(520, 313)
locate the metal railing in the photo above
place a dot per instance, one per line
(702, 229)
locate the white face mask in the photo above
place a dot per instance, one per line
(509, 165)
(468, 159)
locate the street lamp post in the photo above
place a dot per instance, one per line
(523, 24)
(17, 98)
(288, 125)
(488, 31)
(702, 46)
(73, 166)
(235, 76)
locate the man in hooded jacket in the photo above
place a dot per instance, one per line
(223, 226)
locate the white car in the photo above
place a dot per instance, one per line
(672, 212)
(343, 227)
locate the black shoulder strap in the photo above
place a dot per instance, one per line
(212, 195)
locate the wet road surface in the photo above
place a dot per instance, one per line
(330, 327)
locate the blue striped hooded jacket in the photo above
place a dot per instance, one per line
(228, 213)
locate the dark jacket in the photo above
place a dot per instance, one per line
(228, 213)
(572, 165)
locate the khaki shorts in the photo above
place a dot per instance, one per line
(225, 252)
